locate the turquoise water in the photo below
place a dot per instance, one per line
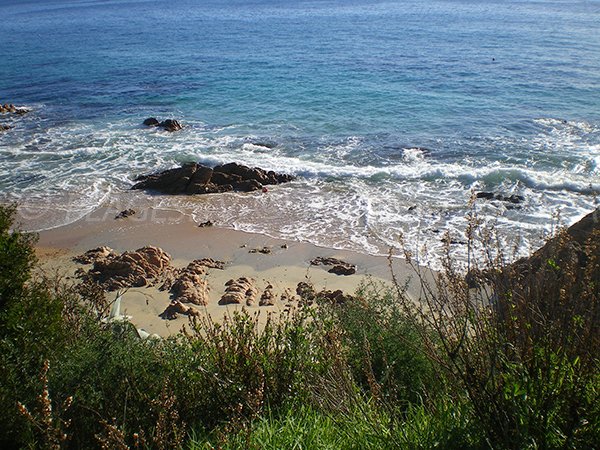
(377, 106)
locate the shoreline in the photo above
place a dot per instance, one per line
(287, 264)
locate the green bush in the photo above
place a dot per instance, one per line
(385, 350)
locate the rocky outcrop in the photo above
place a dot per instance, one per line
(240, 291)
(191, 286)
(338, 266)
(192, 178)
(168, 125)
(4, 127)
(130, 269)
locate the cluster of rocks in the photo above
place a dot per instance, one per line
(9, 108)
(129, 269)
(240, 291)
(167, 125)
(338, 266)
(308, 294)
(513, 198)
(193, 178)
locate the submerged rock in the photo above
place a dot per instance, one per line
(9, 108)
(192, 178)
(513, 198)
(168, 124)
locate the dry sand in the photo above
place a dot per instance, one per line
(177, 234)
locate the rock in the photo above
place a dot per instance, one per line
(192, 178)
(125, 213)
(151, 122)
(263, 250)
(175, 308)
(5, 127)
(91, 256)
(211, 263)
(339, 267)
(170, 125)
(513, 198)
(485, 195)
(248, 186)
(287, 296)
(130, 269)
(267, 298)
(208, 223)
(191, 286)
(306, 291)
(284, 246)
(242, 290)
(336, 297)
(449, 240)
(9, 108)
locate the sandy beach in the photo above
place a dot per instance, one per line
(285, 265)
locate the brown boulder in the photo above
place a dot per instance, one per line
(242, 290)
(130, 269)
(268, 297)
(175, 308)
(191, 286)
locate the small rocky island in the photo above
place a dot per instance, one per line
(193, 178)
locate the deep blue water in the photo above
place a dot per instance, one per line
(503, 95)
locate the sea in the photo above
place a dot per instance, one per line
(393, 115)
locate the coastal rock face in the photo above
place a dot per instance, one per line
(192, 178)
(242, 290)
(168, 125)
(130, 269)
(338, 266)
(576, 247)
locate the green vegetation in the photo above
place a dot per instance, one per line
(511, 362)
